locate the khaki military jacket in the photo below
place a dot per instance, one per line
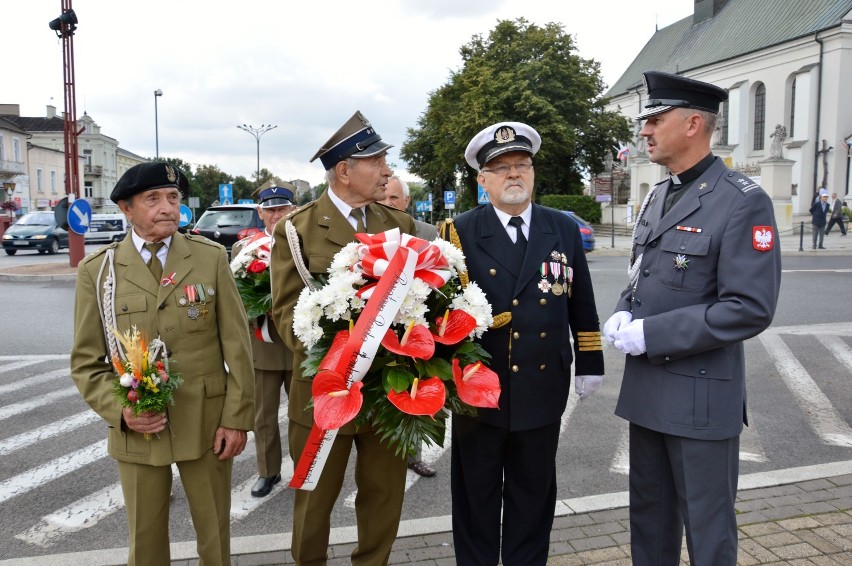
(211, 395)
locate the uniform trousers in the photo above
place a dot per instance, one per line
(207, 484)
(267, 434)
(494, 468)
(380, 478)
(676, 482)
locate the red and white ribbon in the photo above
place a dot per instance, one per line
(386, 298)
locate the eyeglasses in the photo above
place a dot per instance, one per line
(503, 170)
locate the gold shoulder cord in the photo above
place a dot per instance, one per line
(449, 229)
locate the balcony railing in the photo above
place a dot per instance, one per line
(93, 170)
(9, 169)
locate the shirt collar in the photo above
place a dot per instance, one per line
(504, 217)
(693, 172)
(344, 208)
(139, 243)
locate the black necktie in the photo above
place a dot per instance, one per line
(154, 263)
(520, 239)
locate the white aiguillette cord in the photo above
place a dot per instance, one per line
(635, 263)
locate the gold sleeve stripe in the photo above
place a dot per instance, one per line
(501, 320)
(589, 341)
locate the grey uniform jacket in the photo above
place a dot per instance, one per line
(709, 279)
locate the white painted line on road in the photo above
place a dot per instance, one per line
(52, 470)
(40, 401)
(9, 445)
(621, 460)
(430, 525)
(839, 350)
(35, 380)
(35, 358)
(821, 415)
(18, 365)
(751, 448)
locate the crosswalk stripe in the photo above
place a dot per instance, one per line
(31, 437)
(822, 416)
(46, 399)
(34, 380)
(52, 470)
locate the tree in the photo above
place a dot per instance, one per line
(524, 73)
(208, 178)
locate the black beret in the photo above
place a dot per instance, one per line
(145, 176)
(667, 91)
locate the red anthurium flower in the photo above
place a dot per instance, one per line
(329, 362)
(417, 342)
(454, 327)
(477, 385)
(334, 405)
(425, 398)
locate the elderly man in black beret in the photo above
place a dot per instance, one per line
(178, 288)
(704, 277)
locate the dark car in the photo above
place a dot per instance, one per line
(586, 231)
(35, 231)
(228, 224)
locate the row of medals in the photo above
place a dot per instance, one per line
(560, 270)
(195, 297)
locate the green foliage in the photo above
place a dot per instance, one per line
(255, 292)
(520, 72)
(583, 206)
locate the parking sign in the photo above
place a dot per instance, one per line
(450, 200)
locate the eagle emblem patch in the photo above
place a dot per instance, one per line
(762, 238)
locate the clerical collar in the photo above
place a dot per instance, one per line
(693, 172)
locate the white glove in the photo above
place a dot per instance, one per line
(585, 385)
(615, 323)
(631, 338)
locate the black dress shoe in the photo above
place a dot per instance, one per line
(822, 247)
(263, 486)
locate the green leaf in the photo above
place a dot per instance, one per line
(432, 367)
(396, 378)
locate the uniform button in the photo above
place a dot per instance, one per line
(516, 335)
(542, 301)
(682, 248)
(543, 335)
(515, 302)
(162, 306)
(646, 273)
(702, 371)
(542, 367)
(515, 369)
(492, 272)
(668, 359)
(638, 302)
(654, 244)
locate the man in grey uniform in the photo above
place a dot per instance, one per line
(705, 274)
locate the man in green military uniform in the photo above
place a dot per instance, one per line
(186, 296)
(356, 170)
(273, 361)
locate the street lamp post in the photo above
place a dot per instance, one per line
(157, 93)
(257, 133)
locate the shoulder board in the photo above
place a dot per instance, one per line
(100, 251)
(302, 208)
(197, 238)
(741, 182)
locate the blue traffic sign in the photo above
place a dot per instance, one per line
(79, 216)
(226, 193)
(245, 201)
(449, 197)
(185, 216)
(481, 195)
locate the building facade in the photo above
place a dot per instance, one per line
(786, 65)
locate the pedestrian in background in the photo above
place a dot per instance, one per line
(272, 360)
(705, 271)
(530, 263)
(179, 288)
(354, 159)
(836, 207)
(819, 210)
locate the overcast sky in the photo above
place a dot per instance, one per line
(302, 66)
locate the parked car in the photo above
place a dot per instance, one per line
(586, 231)
(106, 228)
(228, 224)
(35, 231)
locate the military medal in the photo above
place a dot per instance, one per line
(681, 262)
(192, 312)
(569, 279)
(544, 284)
(191, 296)
(202, 300)
(556, 270)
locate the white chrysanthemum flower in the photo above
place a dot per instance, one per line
(454, 256)
(126, 380)
(345, 258)
(155, 379)
(306, 317)
(474, 302)
(413, 306)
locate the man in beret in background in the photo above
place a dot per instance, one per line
(705, 273)
(179, 288)
(273, 361)
(529, 261)
(354, 159)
